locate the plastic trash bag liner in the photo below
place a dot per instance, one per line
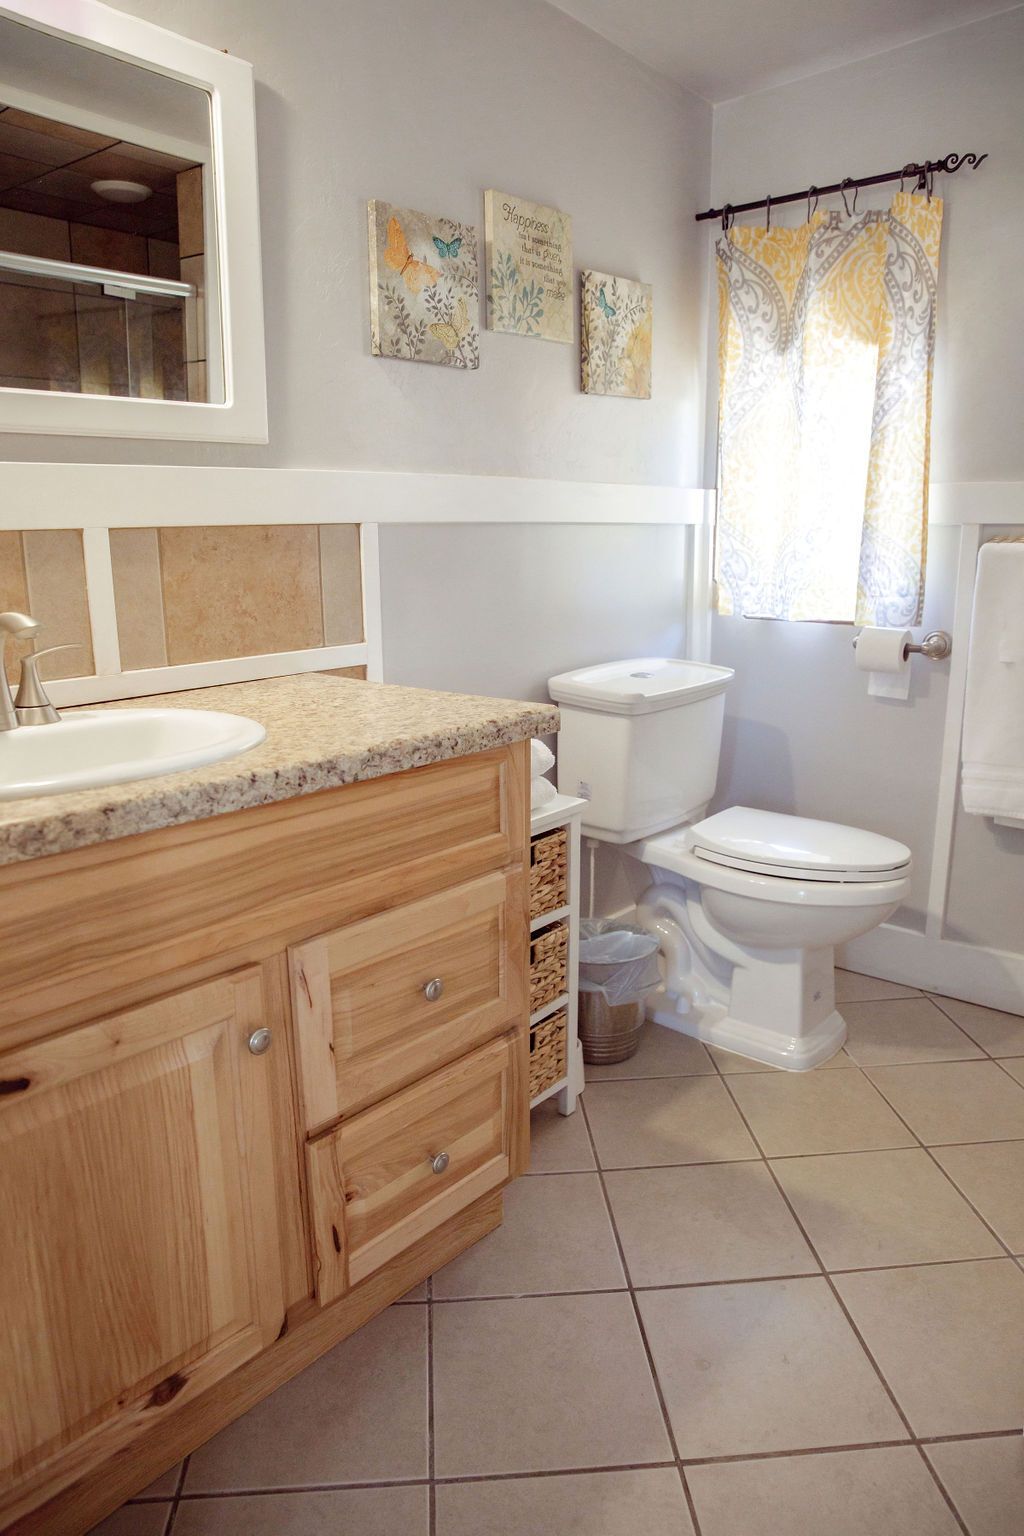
(621, 963)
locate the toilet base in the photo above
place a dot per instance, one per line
(757, 1042)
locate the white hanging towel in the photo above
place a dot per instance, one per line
(542, 791)
(993, 740)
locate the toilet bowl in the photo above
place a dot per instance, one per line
(748, 905)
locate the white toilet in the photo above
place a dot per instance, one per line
(748, 905)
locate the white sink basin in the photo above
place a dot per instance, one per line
(111, 746)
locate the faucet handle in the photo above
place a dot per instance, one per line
(32, 704)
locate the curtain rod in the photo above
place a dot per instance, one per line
(923, 172)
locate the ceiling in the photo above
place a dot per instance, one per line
(725, 48)
(48, 167)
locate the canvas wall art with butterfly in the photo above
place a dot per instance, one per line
(424, 287)
(616, 334)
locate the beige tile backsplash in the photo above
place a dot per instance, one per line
(43, 573)
(190, 594)
(203, 594)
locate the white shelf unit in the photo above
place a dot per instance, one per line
(564, 811)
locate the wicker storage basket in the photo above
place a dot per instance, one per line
(549, 969)
(548, 1052)
(549, 872)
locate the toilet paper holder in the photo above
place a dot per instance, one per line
(936, 646)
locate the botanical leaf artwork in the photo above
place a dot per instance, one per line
(529, 268)
(617, 332)
(424, 287)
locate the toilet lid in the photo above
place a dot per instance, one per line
(796, 847)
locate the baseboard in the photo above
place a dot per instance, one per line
(993, 977)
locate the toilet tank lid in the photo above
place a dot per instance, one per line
(639, 686)
(776, 841)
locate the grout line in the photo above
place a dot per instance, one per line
(947, 1176)
(176, 1501)
(940, 1485)
(1010, 1433)
(645, 1341)
(827, 1278)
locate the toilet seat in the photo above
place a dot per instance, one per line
(795, 847)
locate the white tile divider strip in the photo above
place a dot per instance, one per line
(40, 495)
(202, 674)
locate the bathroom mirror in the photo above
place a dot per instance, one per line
(130, 301)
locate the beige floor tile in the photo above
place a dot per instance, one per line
(985, 1480)
(729, 1063)
(163, 1487)
(1001, 1034)
(556, 1236)
(559, 1143)
(886, 1492)
(769, 1366)
(343, 1512)
(134, 1520)
(1015, 1066)
(721, 1221)
(650, 1502)
(653, 1121)
(326, 1426)
(542, 1384)
(904, 1029)
(992, 1178)
(954, 1101)
(792, 1113)
(853, 987)
(866, 1209)
(661, 1053)
(949, 1339)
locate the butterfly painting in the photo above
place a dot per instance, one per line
(617, 334)
(424, 287)
(452, 331)
(448, 248)
(416, 275)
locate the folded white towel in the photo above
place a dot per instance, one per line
(993, 738)
(542, 792)
(541, 758)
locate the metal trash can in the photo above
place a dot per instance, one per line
(616, 968)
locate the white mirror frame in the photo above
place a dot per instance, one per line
(242, 415)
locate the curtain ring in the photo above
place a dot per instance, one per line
(812, 192)
(728, 218)
(908, 170)
(768, 212)
(848, 181)
(931, 181)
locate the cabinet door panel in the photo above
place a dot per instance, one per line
(137, 1203)
(375, 1183)
(366, 1020)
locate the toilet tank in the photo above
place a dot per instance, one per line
(640, 740)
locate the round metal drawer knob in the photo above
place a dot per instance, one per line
(433, 989)
(259, 1041)
(440, 1162)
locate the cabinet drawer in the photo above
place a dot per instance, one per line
(381, 1003)
(383, 1180)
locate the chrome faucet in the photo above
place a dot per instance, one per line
(23, 626)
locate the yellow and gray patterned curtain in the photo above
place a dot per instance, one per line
(826, 338)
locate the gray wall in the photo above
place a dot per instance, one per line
(801, 733)
(501, 607)
(426, 103)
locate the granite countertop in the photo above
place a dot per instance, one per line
(321, 732)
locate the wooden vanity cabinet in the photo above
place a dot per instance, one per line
(193, 1210)
(140, 1257)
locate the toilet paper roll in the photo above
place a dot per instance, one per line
(882, 654)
